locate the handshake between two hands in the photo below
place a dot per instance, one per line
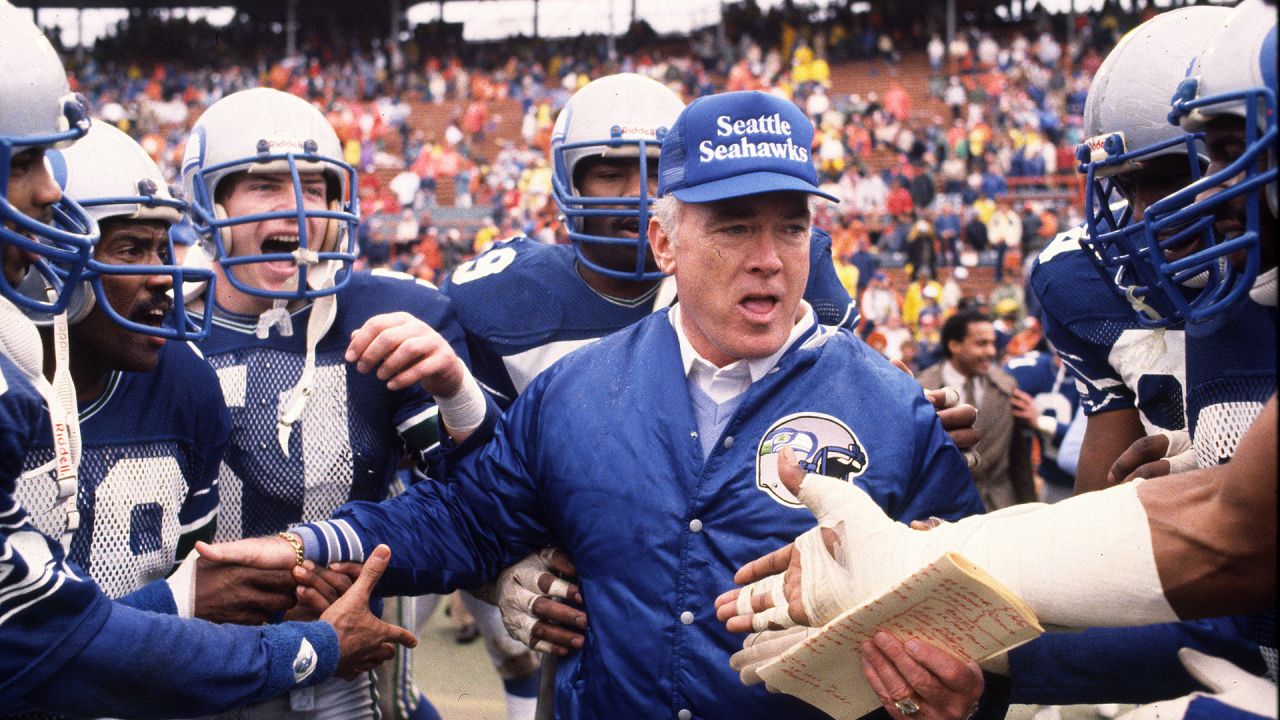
(247, 581)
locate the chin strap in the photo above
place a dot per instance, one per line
(20, 341)
(1264, 288)
(64, 417)
(1141, 305)
(323, 312)
(1147, 351)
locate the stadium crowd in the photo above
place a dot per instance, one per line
(976, 172)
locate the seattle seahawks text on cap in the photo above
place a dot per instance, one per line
(736, 144)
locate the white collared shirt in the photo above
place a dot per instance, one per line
(726, 383)
(953, 377)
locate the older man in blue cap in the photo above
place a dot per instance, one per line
(649, 454)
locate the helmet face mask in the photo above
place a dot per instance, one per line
(584, 214)
(1117, 188)
(617, 117)
(1206, 239)
(38, 110)
(1219, 268)
(270, 133)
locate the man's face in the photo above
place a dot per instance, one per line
(1158, 177)
(1226, 141)
(974, 354)
(32, 192)
(741, 266)
(143, 299)
(614, 177)
(253, 193)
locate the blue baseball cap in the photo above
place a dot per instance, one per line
(735, 144)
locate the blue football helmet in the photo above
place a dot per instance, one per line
(1127, 135)
(1234, 77)
(623, 115)
(112, 177)
(268, 131)
(38, 109)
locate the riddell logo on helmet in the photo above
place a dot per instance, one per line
(281, 144)
(648, 131)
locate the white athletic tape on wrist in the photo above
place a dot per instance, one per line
(1087, 561)
(464, 411)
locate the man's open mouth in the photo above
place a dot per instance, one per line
(759, 305)
(279, 244)
(152, 315)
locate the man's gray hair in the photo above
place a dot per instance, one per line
(668, 210)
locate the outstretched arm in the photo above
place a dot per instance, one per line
(1193, 545)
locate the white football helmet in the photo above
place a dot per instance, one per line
(1125, 121)
(111, 176)
(38, 109)
(623, 115)
(268, 131)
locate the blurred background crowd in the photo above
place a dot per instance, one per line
(954, 162)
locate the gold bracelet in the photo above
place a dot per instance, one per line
(296, 543)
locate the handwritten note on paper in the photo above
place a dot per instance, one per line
(951, 603)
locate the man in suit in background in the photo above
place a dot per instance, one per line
(1003, 474)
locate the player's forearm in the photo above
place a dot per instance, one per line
(433, 540)
(1106, 436)
(174, 668)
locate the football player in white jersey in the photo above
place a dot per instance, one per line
(64, 646)
(313, 426)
